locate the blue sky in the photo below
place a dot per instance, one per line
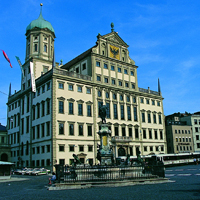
(163, 38)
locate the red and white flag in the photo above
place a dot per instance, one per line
(6, 57)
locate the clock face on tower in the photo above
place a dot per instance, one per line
(114, 52)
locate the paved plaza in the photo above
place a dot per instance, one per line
(185, 185)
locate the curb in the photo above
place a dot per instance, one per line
(83, 185)
(13, 179)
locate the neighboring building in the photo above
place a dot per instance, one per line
(62, 117)
(179, 134)
(194, 121)
(4, 147)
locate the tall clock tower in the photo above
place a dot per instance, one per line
(40, 37)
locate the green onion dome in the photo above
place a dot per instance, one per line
(40, 23)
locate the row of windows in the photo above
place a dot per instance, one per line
(197, 121)
(13, 121)
(113, 68)
(71, 129)
(183, 148)
(150, 134)
(41, 149)
(44, 48)
(152, 149)
(114, 82)
(42, 89)
(41, 130)
(182, 131)
(149, 118)
(183, 139)
(121, 97)
(71, 87)
(197, 129)
(148, 101)
(14, 105)
(108, 113)
(27, 102)
(13, 138)
(81, 148)
(41, 109)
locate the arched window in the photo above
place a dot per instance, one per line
(45, 48)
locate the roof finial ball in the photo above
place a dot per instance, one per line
(112, 27)
(41, 4)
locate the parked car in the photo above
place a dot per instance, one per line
(17, 171)
(29, 171)
(23, 171)
(39, 171)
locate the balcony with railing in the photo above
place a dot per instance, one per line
(149, 91)
(121, 139)
(71, 74)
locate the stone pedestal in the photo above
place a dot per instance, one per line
(105, 153)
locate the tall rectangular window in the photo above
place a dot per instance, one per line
(71, 110)
(22, 122)
(22, 106)
(47, 128)
(80, 109)
(80, 129)
(108, 110)
(154, 118)
(124, 131)
(136, 133)
(161, 135)
(42, 130)
(122, 112)
(38, 131)
(144, 134)
(89, 111)
(100, 104)
(156, 134)
(38, 110)
(43, 108)
(115, 111)
(27, 124)
(61, 107)
(71, 129)
(33, 132)
(48, 107)
(150, 134)
(116, 131)
(135, 113)
(129, 112)
(143, 117)
(130, 132)
(27, 104)
(159, 118)
(89, 130)
(149, 118)
(61, 129)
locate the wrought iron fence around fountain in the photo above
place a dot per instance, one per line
(104, 173)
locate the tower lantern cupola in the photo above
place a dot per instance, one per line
(40, 37)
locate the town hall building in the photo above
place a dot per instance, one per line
(61, 118)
